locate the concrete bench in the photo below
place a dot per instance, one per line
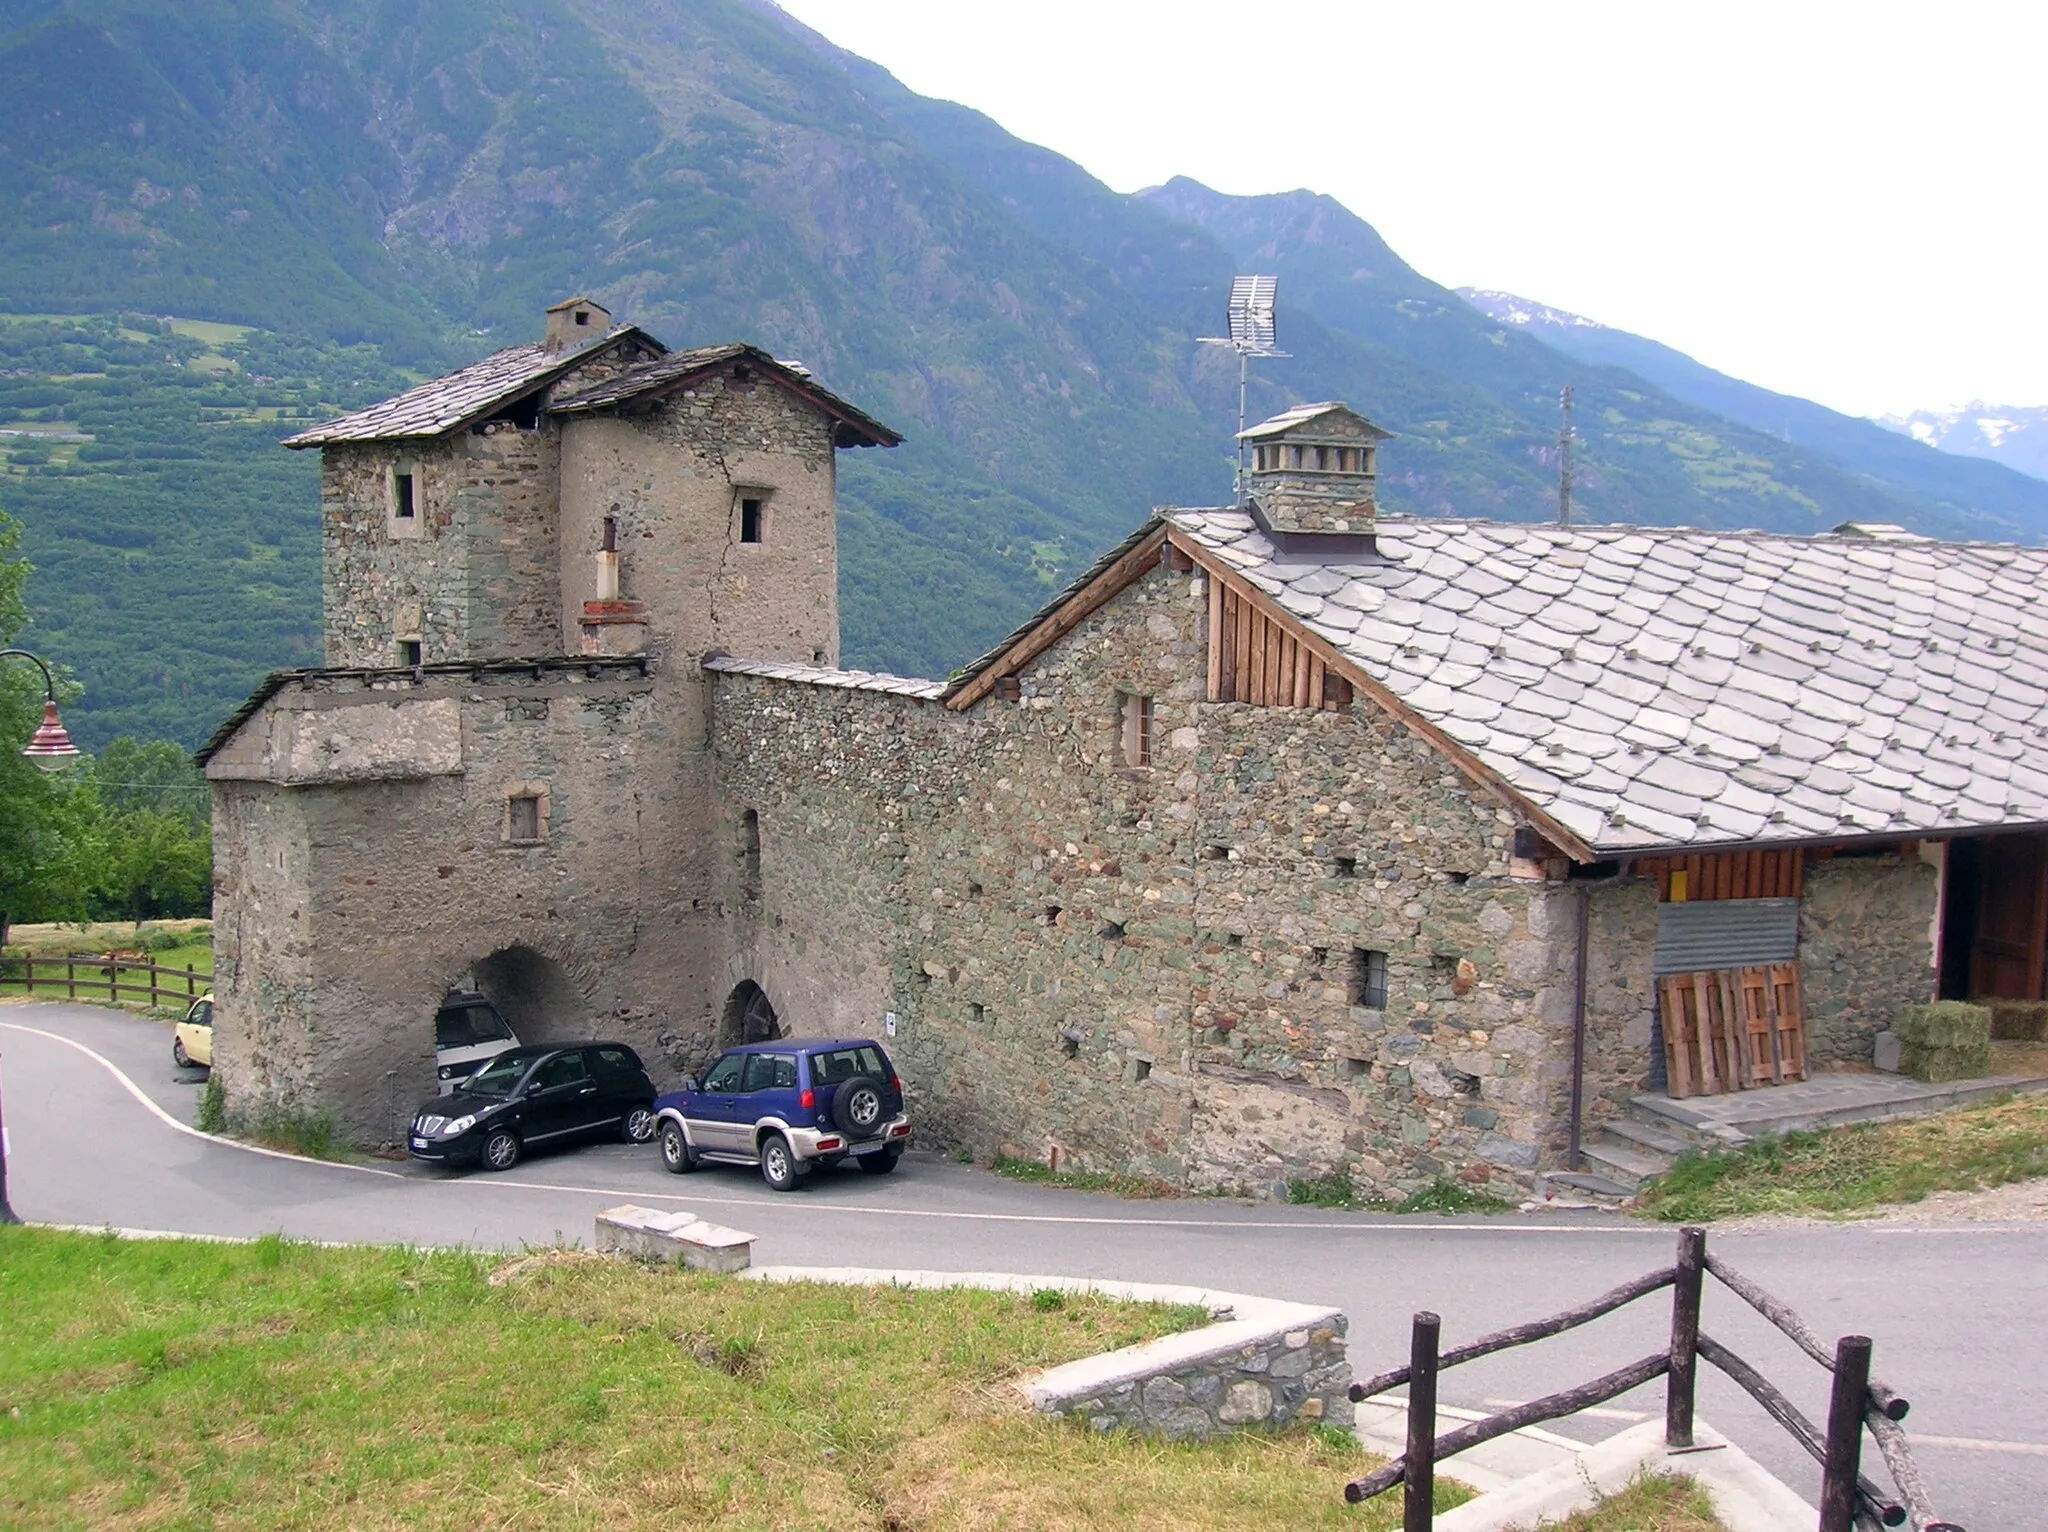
(654, 1235)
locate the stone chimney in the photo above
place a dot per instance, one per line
(575, 323)
(1313, 469)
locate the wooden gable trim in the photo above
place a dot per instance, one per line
(1063, 620)
(1336, 660)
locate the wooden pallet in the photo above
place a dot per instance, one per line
(1732, 1029)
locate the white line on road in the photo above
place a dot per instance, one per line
(1972, 1444)
(185, 1127)
(1595, 1412)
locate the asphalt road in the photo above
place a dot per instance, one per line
(1956, 1310)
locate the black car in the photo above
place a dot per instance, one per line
(528, 1097)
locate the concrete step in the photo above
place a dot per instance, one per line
(1650, 1140)
(1619, 1162)
(1582, 1186)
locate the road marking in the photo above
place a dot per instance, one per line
(1973, 1444)
(185, 1127)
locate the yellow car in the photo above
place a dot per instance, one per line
(192, 1042)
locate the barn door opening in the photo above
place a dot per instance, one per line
(1994, 918)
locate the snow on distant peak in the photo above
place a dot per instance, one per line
(2014, 435)
(1509, 309)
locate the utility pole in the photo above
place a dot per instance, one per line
(1564, 458)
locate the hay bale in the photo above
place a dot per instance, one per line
(1947, 1040)
(2019, 1021)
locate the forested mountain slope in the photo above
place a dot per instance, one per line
(382, 188)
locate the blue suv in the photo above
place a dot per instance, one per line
(788, 1106)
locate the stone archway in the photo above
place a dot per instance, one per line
(535, 994)
(749, 1016)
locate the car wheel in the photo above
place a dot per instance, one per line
(178, 1054)
(879, 1163)
(857, 1108)
(780, 1167)
(677, 1157)
(638, 1126)
(501, 1149)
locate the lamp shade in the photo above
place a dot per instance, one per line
(51, 749)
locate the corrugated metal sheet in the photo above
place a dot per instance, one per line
(1725, 933)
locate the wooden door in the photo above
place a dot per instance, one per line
(2006, 960)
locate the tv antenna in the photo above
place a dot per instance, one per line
(1565, 438)
(1251, 334)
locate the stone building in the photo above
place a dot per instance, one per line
(1291, 840)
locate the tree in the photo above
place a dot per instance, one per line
(45, 832)
(151, 837)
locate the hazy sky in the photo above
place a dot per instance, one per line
(1840, 200)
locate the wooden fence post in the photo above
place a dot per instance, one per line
(1418, 1476)
(1846, 1404)
(1685, 1337)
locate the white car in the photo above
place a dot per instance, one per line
(468, 1034)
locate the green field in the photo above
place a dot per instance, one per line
(179, 1384)
(180, 944)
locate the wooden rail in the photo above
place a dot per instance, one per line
(103, 977)
(1849, 1501)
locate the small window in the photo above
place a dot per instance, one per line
(977, 1013)
(522, 817)
(404, 506)
(1009, 689)
(750, 520)
(750, 852)
(1368, 986)
(1347, 866)
(410, 652)
(583, 316)
(1336, 692)
(1137, 728)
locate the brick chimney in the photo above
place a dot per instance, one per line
(575, 323)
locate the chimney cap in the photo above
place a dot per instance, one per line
(576, 322)
(1347, 423)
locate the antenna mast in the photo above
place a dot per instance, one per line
(1564, 457)
(1251, 334)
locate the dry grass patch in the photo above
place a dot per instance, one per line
(1859, 1167)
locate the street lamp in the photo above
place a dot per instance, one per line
(51, 749)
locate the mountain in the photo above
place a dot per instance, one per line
(332, 197)
(2008, 503)
(2015, 435)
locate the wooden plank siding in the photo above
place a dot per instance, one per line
(1727, 875)
(1254, 659)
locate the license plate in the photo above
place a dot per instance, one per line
(419, 1143)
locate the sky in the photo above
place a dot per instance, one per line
(1842, 201)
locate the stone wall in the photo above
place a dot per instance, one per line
(1864, 950)
(1212, 1385)
(672, 479)
(1156, 968)
(346, 907)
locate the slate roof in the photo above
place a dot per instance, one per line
(1672, 688)
(673, 370)
(435, 408)
(820, 675)
(1301, 414)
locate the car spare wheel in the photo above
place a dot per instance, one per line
(857, 1109)
(637, 1127)
(780, 1167)
(501, 1149)
(676, 1154)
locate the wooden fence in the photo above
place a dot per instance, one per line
(1849, 1502)
(112, 977)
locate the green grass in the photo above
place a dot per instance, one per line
(182, 944)
(189, 1385)
(1858, 1168)
(1117, 1183)
(1654, 1502)
(1442, 1195)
